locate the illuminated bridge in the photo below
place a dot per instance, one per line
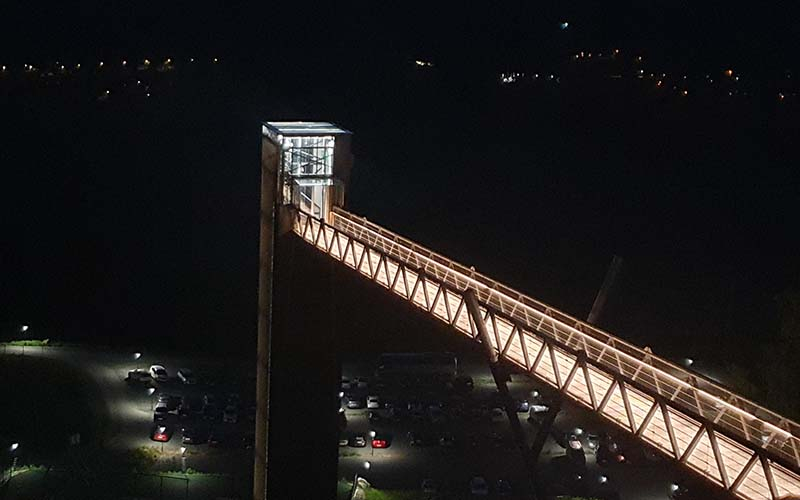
(742, 447)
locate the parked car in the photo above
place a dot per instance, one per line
(609, 451)
(161, 433)
(138, 376)
(358, 441)
(195, 435)
(373, 402)
(418, 439)
(502, 487)
(430, 486)
(381, 441)
(186, 376)
(523, 406)
(230, 415)
(354, 402)
(343, 441)
(478, 486)
(361, 382)
(170, 401)
(463, 383)
(346, 384)
(159, 373)
(161, 413)
(447, 440)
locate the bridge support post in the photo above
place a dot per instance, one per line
(270, 166)
(500, 379)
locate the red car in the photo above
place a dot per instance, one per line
(161, 433)
(380, 442)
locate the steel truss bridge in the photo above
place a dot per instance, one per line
(740, 446)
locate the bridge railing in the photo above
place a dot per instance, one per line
(699, 423)
(701, 398)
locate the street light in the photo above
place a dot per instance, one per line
(150, 392)
(136, 357)
(372, 441)
(24, 328)
(13, 449)
(367, 465)
(183, 459)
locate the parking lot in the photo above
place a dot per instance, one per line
(452, 440)
(210, 412)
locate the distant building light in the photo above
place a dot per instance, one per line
(24, 328)
(780, 94)
(124, 63)
(191, 59)
(564, 25)
(101, 64)
(729, 72)
(216, 60)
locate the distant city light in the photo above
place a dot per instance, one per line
(686, 92)
(101, 64)
(191, 59)
(425, 64)
(216, 60)
(780, 95)
(24, 328)
(729, 72)
(564, 25)
(14, 446)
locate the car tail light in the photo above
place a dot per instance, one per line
(379, 443)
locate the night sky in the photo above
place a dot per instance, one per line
(128, 220)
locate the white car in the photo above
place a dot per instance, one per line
(373, 403)
(478, 486)
(186, 376)
(159, 373)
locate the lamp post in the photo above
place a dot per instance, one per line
(22, 330)
(136, 357)
(372, 442)
(13, 449)
(183, 459)
(150, 392)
